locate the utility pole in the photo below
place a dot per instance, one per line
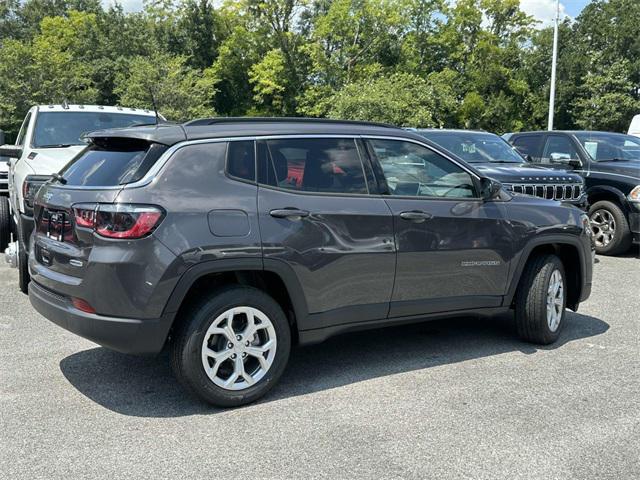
(554, 61)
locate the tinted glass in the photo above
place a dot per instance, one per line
(610, 146)
(65, 128)
(559, 146)
(475, 147)
(241, 160)
(329, 165)
(117, 165)
(527, 145)
(23, 130)
(414, 170)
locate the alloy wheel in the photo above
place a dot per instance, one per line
(238, 348)
(555, 300)
(604, 227)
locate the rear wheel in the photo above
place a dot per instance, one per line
(611, 232)
(23, 262)
(541, 300)
(5, 224)
(232, 347)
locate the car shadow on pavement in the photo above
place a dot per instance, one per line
(145, 387)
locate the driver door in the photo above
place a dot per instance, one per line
(453, 247)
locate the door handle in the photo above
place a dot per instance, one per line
(416, 216)
(290, 213)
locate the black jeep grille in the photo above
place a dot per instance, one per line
(549, 191)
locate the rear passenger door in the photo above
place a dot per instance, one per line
(316, 216)
(453, 247)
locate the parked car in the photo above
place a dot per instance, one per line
(492, 156)
(610, 166)
(231, 239)
(49, 137)
(634, 127)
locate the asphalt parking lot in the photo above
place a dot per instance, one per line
(447, 399)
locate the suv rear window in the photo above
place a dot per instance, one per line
(112, 163)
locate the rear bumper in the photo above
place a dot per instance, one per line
(133, 336)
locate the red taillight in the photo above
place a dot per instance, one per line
(118, 220)
(82, 305)
(85, 217)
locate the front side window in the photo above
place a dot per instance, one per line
(527, 145)
(23, 130)
(325, 165)
(558, 148)
(62, 129)
(413, 170)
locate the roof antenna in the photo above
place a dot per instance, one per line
(155, 107)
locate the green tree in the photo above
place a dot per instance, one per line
(181, 92)
(400, 99)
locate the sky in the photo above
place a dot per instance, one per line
(543, 10)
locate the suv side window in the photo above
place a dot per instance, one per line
(326, 165)
(241, 160)
(23, 130)
(528, 145)
(413, 170)
(560, 147)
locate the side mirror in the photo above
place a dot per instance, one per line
(11, 151)
(489, 188)
(564, 159)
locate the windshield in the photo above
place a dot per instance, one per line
(62, 129)
(603, 147)
(475, 147)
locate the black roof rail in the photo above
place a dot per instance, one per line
(218, 120)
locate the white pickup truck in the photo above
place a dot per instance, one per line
(50, 136)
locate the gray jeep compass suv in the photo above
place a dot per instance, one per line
(229, 240)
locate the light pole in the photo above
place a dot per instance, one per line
(554, 61)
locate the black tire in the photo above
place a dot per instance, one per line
(531, 300)
(186, 356)
(5, 224)
(23, 262)
(621, 241)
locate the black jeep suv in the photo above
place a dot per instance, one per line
(610, 166)
(228, 240)
(492, 156)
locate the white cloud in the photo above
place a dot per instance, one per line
(128, 5)
(542, 10)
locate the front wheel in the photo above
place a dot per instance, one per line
(611, 231)
(231, 347)
(541, 300)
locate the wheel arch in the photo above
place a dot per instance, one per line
(274, 277)
(569, 251)
(609, 193)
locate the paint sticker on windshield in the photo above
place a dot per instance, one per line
(591, 148)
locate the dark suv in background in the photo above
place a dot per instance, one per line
(610, 166)
(231, 239)
(492, 156)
